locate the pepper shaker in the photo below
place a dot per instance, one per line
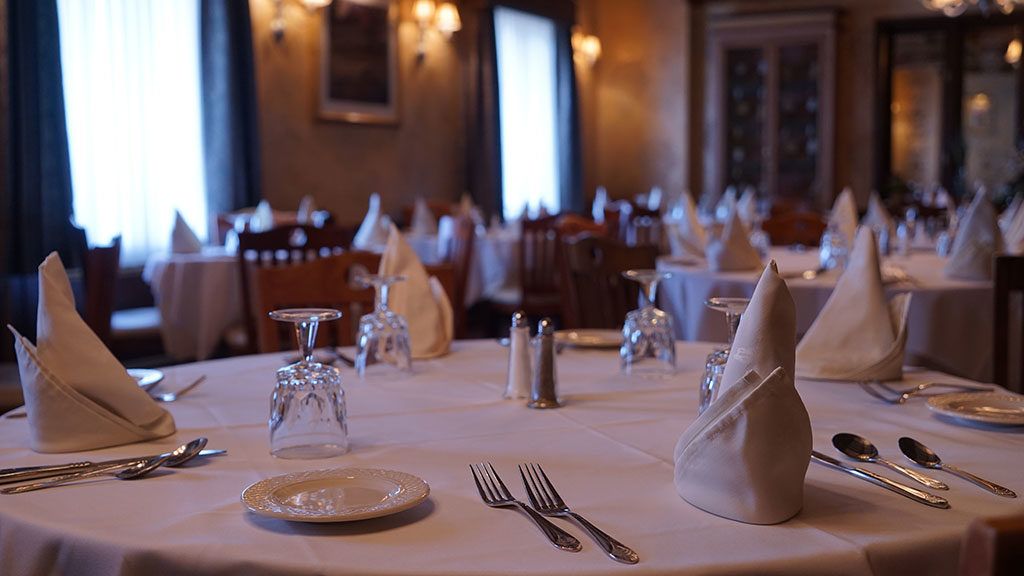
(542, 392)
(518, 380)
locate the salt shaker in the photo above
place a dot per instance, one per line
(518, 381)
(542, 391)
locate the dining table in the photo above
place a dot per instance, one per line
(608, 450)
(942, 309)
(493, 263)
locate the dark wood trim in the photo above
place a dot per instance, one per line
(883, 110)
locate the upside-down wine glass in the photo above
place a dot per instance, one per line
(307, 409)
(383, 336)
(648, 343)
(714, 367)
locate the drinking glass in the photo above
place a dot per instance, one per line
(834, 252)
(715, 364)
(648, 343)
(307, 409)
(383, 336)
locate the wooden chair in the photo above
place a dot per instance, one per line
(538, 293)
(597, 296)
(460, 256)
(574, 224)
(993, 547)
(279, 247)
(324, 282)
(1009, 279)
(789, 228)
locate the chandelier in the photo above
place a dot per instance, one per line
(953, 8)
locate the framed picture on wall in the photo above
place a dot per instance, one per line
(359, 62)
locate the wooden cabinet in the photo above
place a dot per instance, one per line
(771, 105)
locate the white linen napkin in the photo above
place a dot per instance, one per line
(858, 335)
(420, 299)
(307, 206)
(77, 395)
(977, 241)
(877, 217)
(732, 250)
(183, 238)
(746, 456)
(423, 221)
(654, 198)
(1008, 215)
(1014, 233)
(600, 201)
(262, 218)
(686, 237)
(726, 204)
(844, 215)
(747, 205)
(373, 232)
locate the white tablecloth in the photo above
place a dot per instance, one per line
(609, 452)
(493, 267)
(199, 297)
(950, 324)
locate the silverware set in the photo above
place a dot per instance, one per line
(862, 450)
(890, 395)
(545, 501)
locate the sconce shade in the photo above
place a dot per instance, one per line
(314, 4)
(423, 12)
(448, 21)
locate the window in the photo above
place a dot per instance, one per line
(528, 107)
(131, 71)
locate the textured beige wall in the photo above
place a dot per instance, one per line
(342, 164)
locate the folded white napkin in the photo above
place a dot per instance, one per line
(420, 299)
(1013, 235)
(732, 250)
(600, 201)
(262, 218)
(747, 205)
(858, 335)
(877, 217)
(726, 204)
(77, 395)
(686, 236)
(977, 241)
(844, 215)
(307, 206)
(1010, 213)
(746, 456)
(654, 198)
(423, 221)
(373, 232)
(183, 238)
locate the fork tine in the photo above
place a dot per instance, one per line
(476, 480)
(504, 493)
(541, 489)
(870, 390)
(492, 490)
(549, 486)
(529, 489)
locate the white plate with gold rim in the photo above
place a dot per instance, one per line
(589, 338)
(988, 407)
(335, 495)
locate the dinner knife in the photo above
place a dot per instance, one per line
(901, 489)
(11, 475)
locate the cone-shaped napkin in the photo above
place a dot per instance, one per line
(1014, 233)
(78, 396)
(746, 456)
(877, 216)
(423, 221)
(420, 299)
(732, 250)
(654, 198)
(600, 201)
(977, 241)
(858, 335)
(373, 232)
(1008, 215)
(307, 206)
(262, 218)
(726, 204)
(747, 205)
(183, 238)
(844, 215)
(686, 236)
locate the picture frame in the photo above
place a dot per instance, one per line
(359, 62)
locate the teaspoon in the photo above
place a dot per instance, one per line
(860, 448)
(924, 456)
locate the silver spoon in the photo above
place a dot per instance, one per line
(923, 456)
(177, 457)
(860, 448)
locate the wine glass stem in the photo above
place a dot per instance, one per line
(305, 333)
(649, 289)
(382, 297)
(734, 323)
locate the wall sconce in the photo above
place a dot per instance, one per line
(277, 24)
(444, 18)
(586, 48)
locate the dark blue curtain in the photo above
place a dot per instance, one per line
(483, 130)
(230, 126)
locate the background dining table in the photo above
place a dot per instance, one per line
(942, 310)
(608, 451)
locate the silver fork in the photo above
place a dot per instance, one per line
(901, 396)
(172, 396)
(546, 500)
(495, 494)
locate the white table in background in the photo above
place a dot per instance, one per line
(608, 451)
(950, 323)
(493, 267)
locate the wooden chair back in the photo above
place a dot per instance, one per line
(538, 260)
(100, 267)
(328, 282)
(789, 228)
(574, 224)
(1009, 280)
(460, 255)
(993, 547)
(598, 296)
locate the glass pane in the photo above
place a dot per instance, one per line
(916, 107)
(745, 71)
(989, 108)
(798, 148)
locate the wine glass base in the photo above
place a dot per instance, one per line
(312, 451)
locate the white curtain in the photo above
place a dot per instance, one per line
(132, 78)
(527, 100)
